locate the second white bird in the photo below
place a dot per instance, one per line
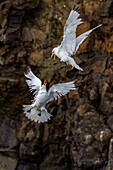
(37, 111)
(70, 43)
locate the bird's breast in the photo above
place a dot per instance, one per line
(41, 99)
(62, 56)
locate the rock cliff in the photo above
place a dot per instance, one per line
(79, 136)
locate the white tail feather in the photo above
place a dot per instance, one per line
(33, 114)
(72, 62)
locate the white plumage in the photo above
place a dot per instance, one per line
(70, 43)
(37, 111)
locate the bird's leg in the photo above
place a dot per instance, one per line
(69, 66)
(59, 101)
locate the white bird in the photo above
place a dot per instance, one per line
(70, 43)
(37, 111)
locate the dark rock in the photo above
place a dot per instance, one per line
(110, 122)
(26, 35)
(7, 163)
(110, 158)
(78, 135)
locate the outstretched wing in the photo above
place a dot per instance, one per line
(60, 89)
(34, 83)
(82, 37)
(68, 43)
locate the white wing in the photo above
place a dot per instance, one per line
(34, 83)
(60, 89)
(82, 37)
(69, 38)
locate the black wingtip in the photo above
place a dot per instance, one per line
(27, 70)
(76, 8)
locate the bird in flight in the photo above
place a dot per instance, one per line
(70, 42)
(37, 111)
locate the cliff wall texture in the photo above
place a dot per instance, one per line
(79, 136)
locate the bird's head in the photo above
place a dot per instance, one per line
(54, 52)
(45, 85)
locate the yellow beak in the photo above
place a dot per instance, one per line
(53, 55)
(45, 82)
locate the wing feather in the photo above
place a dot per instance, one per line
(60, 89)
(82, 37)
(68, 43)
(34, 82)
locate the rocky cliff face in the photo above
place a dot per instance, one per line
(79, 136)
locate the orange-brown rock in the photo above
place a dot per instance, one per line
(80, 131)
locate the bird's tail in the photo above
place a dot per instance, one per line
(73, 63)
(37, 116)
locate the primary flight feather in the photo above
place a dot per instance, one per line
(37, 111)
(70, 42)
